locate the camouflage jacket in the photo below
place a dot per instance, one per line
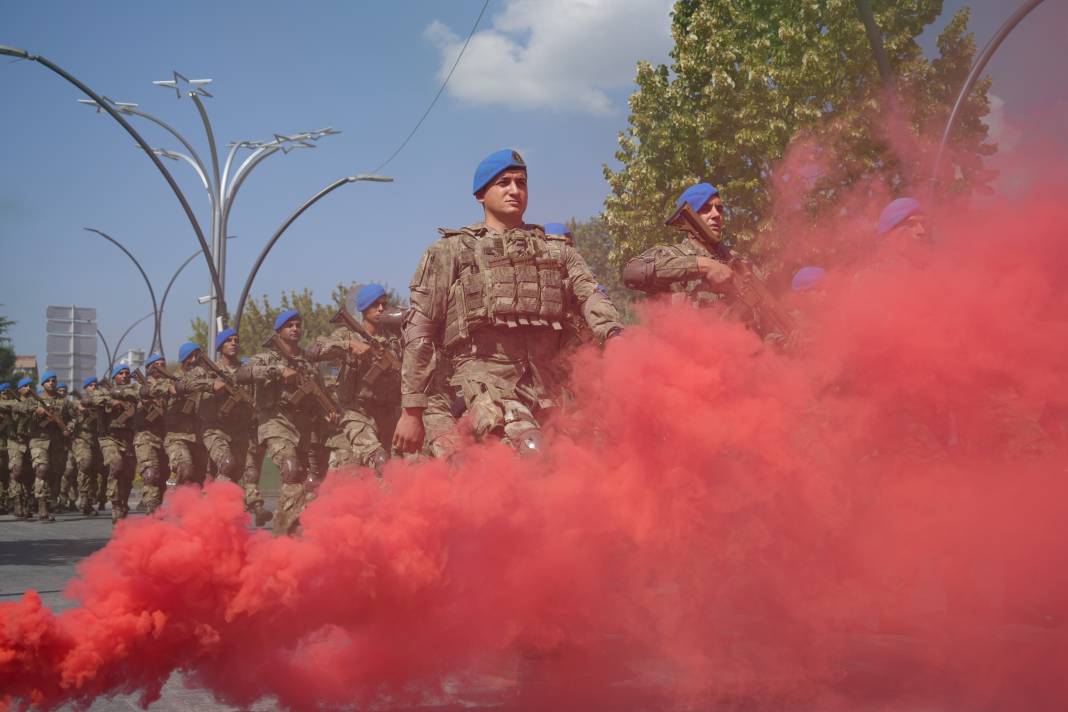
(182, 409)
(117, 418)
(214, 408)
(274, 397)
(9, 417)
(364, 378)
(437, 286)
(40, 426)
(673, 269)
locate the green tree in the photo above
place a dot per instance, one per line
(594, 243)
(257, 323)
(7, 353)
(750, 76)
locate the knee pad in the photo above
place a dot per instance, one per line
(151, 477)
(292, 471)
(227, 465)
(41, 472)
(185, 473)
(528, 442)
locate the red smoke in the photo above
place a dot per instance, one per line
(869, 524)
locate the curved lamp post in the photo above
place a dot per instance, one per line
(163, 299)
(148, 283)
(289, 221)
(112, 355)
(113, 113)
(973, 76)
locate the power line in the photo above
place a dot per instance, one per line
(440, 90)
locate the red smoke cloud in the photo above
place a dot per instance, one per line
(872, 523)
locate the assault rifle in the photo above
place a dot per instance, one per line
(748, 288)
(52, 417)
(235, 394)
(154, 411)
(384, 358)
(305, 386)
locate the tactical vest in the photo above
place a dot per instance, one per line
(513, 282)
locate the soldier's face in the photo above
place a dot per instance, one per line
(291, 331)
(24, 391)
(61, 391)
(914, 228)
(49, 386)
(191, 360)
(506, 195)
(712, 214)
(230, 347)
(122, 378)
(90, 388)
(374, 312)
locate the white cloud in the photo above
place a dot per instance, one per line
(1000, 130)
(556, 54)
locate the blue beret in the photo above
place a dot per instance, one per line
(697, 196)
(119, 368)
(27, 381)
(557, 229)
(223, 336)
(287, 315)
(5, 386)
(807, 278)
(186, 350)
(88, 381)
(61, 385)
(897, 212)
(46, 375)
(493, 165)
(152, 359)
(368, 295)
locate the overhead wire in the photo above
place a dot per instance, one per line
(440, 90)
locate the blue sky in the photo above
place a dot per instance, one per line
(549, 77)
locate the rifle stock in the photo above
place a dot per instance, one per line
(749, 289)
(235, 394)
(55, 419)
(305, 386)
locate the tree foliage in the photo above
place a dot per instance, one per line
(257, 323)
(594, 243)
(750, 76)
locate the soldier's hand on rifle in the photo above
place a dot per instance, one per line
(289, 374)
(218, 385)
(333, 417)
(358, 347)
(41, 411)
(715, 272)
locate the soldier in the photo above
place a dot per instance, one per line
(150, 432)
(368, 386)
(68, 487)
(229, 420)
(7, 420)
(85, 449)
(118, 407)
(289, 411)
(49, 432)
(688, 270)
(185, 448)
(18, 453)
(492, 298)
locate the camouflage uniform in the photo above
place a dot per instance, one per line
(368, 388)
(85, 452)
(7, 425)
(21, 487)
(148, 439)
(673, 269)
(495, 304)
(184, 446)
(48, 450)
(116, 442)
(287, 430)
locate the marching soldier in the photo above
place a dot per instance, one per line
(68, 487)
(150, 432)
(85, 449)
(290, 405)
(182, 442)
(7, 423)
(492, 298)
(48, 431)
(368, 386)
(118, 409)
(18, 449)
(229, 419)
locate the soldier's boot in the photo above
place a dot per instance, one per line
(261, 515)
(88, 509)
(43, 511)
(20, 507)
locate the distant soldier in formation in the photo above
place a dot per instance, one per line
(368, 385)
(7, 424)
(290, 413)
(493, 297)
(48, 431)
(86, 450)
(150, 432)
(18, 449)
(185, 448)
(118, 406)
(67, 495)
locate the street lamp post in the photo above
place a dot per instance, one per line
(220, 182)
(289, 221)
(148, 283)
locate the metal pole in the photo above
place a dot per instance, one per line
(875, 38)
(163, 299)
(289, 221)
(23, 54)
(151, 292)
(107, 351)
(218, 240)
(973, 76)
(118, 344)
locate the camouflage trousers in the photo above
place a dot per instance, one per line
(187, 457)
(92, 483)
(292, 448)
(68, 486)
(148, 449)
(5, 478)
(363, 432)
(21, 485)
(228, 445)
(502, 400)
(48, 457)
(116, 449)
